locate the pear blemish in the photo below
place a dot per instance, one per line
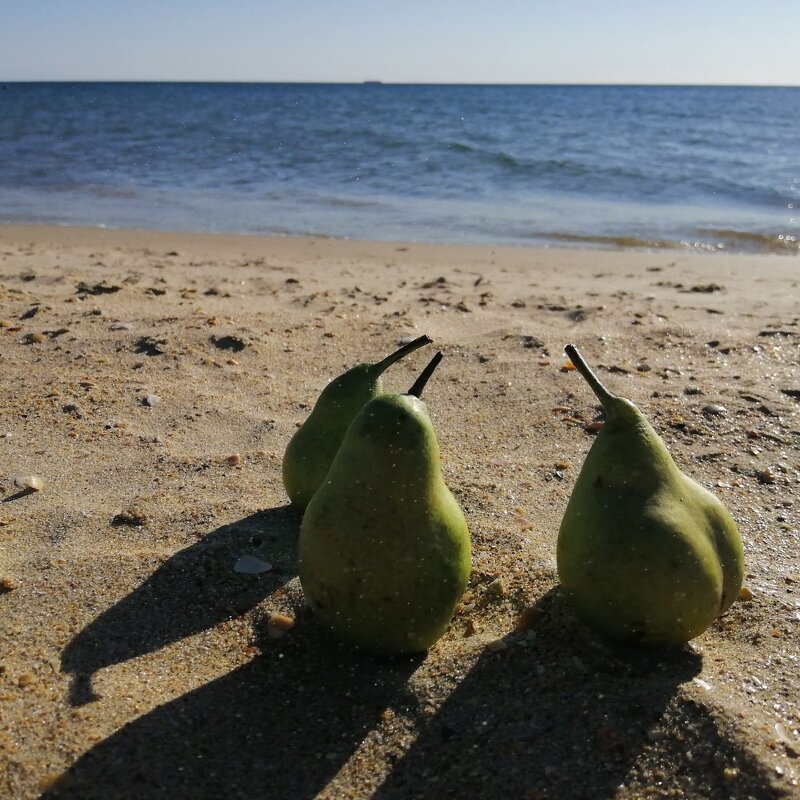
(384, 550)
(645, 553)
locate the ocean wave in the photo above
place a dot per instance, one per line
(484, 163)
(706, 240)
(612, 242)
(752, 241)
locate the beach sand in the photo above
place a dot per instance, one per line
(151, 381)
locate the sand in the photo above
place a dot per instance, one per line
(151, 382)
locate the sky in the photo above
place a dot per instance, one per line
(413, 41)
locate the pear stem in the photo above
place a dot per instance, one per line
(603, 395)
(419, 383)
(407, 348)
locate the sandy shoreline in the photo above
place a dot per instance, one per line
(152, 380)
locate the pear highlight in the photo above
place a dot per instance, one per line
(645, 554)
(384, 550)
(311, 450)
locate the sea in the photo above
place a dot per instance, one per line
(710, 168)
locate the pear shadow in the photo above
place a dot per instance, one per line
(278, 727)
(567, 715)
(192, 591)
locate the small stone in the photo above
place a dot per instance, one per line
(250, 565)
(35, 338)
(83, 288)
(8, 584)
(149, 346)
(234, 460)
(235, 343)
(53, 782)
(470, 629)
(7, 323)
(132, 517)
(25, 680)
(151, 400)
(730, 773)
(528, 619)
(121, 326)
(74, 409)
(765, 476)
(279, 625)
(497, 645)
(714, 410)
(29, 483)
(745, 594)
(496, 588)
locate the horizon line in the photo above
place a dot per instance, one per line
(378, 83)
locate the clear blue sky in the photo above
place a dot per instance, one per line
(473, 41)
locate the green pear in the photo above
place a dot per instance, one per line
(310, 451)
(384, 550)
(645, 554)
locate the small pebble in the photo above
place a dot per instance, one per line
(53, 782)
(496, 588)
(234, 460)
(250, 565)
(730, 773)
(74, 409)
(745, 594)
(528, 619)
(235, 343)
(30, 483)
(497, 645)
(765, 476)
(715, 410)
(7, 584)
(35, 338)
(278, 625)
(132, 517)
(151, 400)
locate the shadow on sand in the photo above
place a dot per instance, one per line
(557, 715)
(279, 727)
(569, 716)
(191, 592)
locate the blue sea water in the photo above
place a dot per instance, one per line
(605, 166)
